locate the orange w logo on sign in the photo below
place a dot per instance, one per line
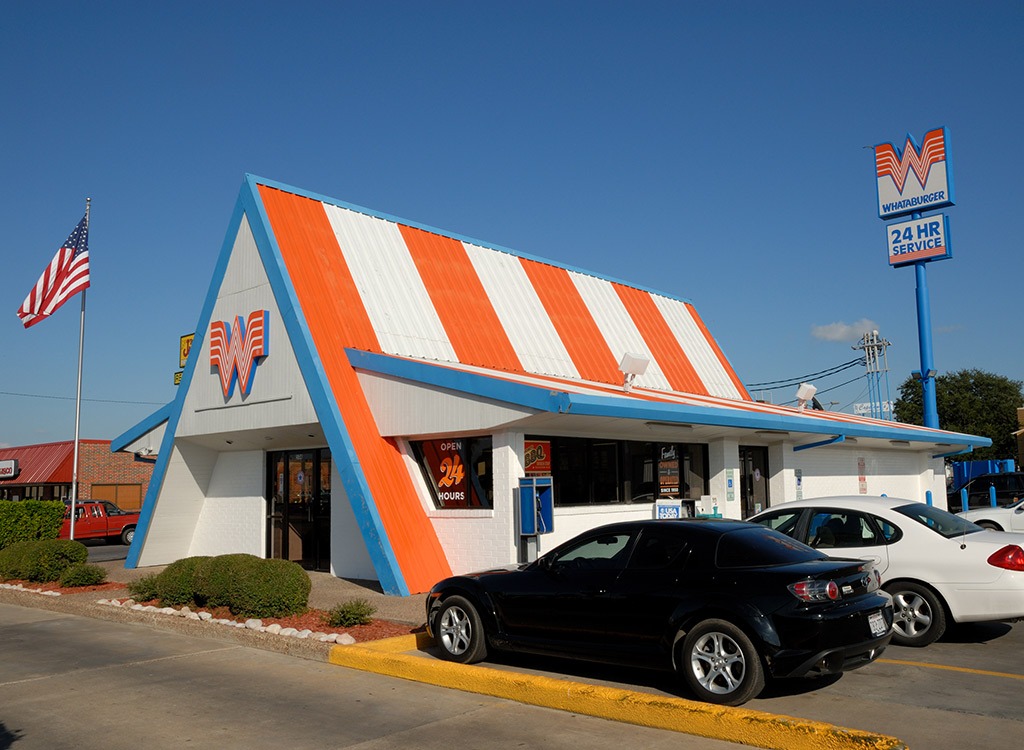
(234, 351)
(454, 471)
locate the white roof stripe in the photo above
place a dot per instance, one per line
(698, 349)
(617, 327)
(526, 322)
(390, 286)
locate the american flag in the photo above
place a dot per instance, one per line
(66, 276)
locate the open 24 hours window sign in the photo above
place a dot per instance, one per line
(458, 471)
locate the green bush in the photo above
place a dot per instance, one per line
(270, 588)
(355, 612)
(54, 556)
(83, 574)
(29, 520)
(176, 584)
(144, 589)
(16, 561)
(217, 579)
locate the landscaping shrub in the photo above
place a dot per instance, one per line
(53, 557)
(270, 588)
(218, 578)
(29, 520)
(355, 612)
(143, 589)
(16, 561)
(176, 584)
(83, 574)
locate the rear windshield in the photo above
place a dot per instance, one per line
(758, 547)
(942, 523)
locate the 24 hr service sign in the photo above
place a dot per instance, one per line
(917, 240)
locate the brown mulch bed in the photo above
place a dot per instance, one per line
(311, 619)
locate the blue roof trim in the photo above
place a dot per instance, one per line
(486, 386)
(135, 432)
(174, 408)
(624, 407)
(353, 479)
(452, 235)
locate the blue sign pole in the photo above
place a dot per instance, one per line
(924, 335)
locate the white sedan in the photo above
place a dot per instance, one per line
(935, 565)
(1002, 518)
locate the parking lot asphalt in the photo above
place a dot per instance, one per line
(412, 658)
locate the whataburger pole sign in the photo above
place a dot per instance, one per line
(910, 181)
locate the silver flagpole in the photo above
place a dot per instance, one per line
(78, 396)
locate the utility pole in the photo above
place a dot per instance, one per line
(876, 361)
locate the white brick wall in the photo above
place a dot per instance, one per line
(233, 516)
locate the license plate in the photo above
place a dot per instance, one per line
(877, 624)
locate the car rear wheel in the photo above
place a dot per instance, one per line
(720, 664)
(127, 535)
(918, 616)
(990, 525)
(460, 633)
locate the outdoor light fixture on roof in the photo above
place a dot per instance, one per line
(631, 366)
(804, 394)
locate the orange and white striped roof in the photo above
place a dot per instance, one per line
(423, 294)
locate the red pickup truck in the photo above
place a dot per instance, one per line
(100, 519)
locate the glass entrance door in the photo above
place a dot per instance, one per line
(299, 507)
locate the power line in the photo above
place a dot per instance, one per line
(72, 398)
(804, 378)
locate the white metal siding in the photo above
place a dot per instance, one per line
(697, 348)
(390, 286)
(526, 322)
(618, 327)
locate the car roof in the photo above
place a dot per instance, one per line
(706, 525)
(853, 502)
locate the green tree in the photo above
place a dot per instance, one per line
(969, 401)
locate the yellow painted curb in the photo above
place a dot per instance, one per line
(740, 725)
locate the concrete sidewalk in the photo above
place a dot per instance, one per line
(326, 592)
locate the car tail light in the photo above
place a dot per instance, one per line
(815, 591)
(1010, 557)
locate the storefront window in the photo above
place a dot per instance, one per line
(588, 471)
(458, 471)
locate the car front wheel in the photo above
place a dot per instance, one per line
(918, 615)
(990, 525)
(460, 633)
(720, 664)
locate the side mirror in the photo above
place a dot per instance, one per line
(547, 562)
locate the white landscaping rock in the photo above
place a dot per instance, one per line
(274, 628)
(289, 631)
(253, 624)
(345, 639)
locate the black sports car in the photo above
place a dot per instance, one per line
(724, 603)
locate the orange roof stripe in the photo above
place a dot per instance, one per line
(719, 353)
(473, 327)
(571, 318)
(301, 225)
(334, 314)
(663, 344)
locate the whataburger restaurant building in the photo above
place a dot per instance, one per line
(366, 395)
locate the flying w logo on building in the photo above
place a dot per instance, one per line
(234, 351)
(932, 188)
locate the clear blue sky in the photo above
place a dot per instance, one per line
(712, 151)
